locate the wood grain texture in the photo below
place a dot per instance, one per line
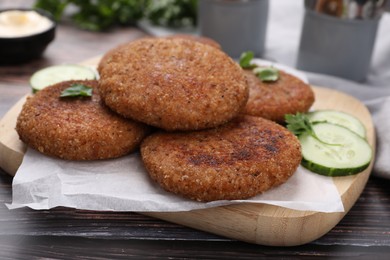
(254, 223)
(65, 233)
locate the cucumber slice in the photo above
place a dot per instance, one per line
(58, 73)
(340, 152)
(338, 118)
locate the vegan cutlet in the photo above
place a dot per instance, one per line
(272, 100)
(238, 160)
(173, 84)
(76, 128)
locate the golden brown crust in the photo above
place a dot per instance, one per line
(205, 40)
(236, 161)
(107, 56)
(201, 39)
(79, 128)
(174, 84)
(272, 100)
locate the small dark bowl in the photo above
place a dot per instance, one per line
(22, 49)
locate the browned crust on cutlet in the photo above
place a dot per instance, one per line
(201, 39)
(205, 40)
(245, 157)
(173, 84)
(76, 128)
(272, 100)
(107, 56)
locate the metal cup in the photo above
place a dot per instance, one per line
(334, 46)
(237, 25)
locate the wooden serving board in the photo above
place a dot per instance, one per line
(254, 223)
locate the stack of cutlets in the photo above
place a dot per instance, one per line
(202, 123)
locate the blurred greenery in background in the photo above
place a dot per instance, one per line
(98, 15)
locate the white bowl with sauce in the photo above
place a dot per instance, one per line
(24, 34)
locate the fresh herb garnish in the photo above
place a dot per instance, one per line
(98, 15)
(299, 124)
(77, 90)
(172, 13)
(267, 73)
(245, 59)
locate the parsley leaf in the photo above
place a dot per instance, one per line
(299, 124)
(268, 74)
(77, 90)
(245, 59)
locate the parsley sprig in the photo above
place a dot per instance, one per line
(266, 74)
(77, 90)
(245, 59)
(300, 123)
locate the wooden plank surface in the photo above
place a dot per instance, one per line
(254, 223)
(277, 226)
(66, 233)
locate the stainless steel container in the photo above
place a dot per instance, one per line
(335, 46)
(238, 25)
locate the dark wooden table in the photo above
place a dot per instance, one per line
(64, 233)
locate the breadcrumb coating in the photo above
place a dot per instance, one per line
(201, 39)
(173, 84)
(76, 128)
(272, 100)
(241, 159)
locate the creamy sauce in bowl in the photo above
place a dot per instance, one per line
(20, 23)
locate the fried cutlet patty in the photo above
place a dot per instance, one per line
(272, 100)
(245, 157)
(173, 84)
(107, 56)
(76, 128)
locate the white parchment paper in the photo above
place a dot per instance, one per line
(124, 185)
